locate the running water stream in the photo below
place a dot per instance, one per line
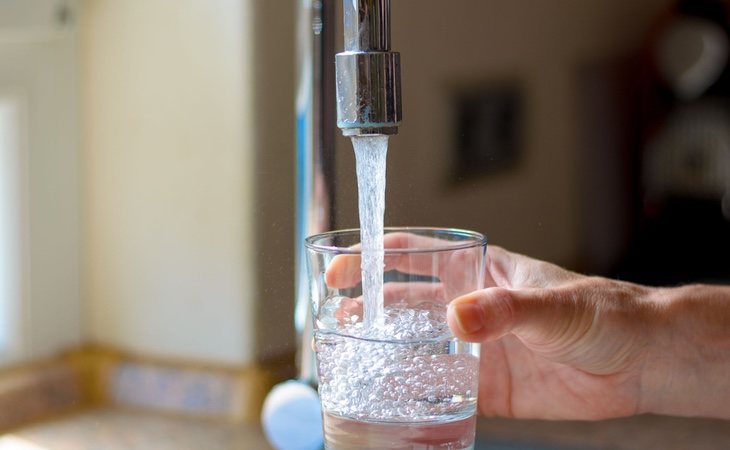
(370, 155)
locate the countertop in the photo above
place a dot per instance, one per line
(112, 429)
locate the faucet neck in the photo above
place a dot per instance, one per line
(367, 25)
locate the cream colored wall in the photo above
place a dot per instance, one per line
(537, 44)
(38, 68)
(168, 170)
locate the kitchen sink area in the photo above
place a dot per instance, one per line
(125, 429)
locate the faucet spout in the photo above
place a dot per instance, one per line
(368, 72)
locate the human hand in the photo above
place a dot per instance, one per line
(559, 345)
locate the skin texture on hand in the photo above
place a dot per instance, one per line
(558, 345)
(688, 372)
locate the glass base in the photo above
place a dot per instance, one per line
(348, 434)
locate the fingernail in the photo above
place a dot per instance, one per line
(469, 317)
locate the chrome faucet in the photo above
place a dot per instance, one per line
(365, 88)
(368, 72)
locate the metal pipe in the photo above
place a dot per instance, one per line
(315, 153)
(367, 25)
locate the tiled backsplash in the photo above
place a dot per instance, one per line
(106, 378)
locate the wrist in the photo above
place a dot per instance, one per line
(686, 366)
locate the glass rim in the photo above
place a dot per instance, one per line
(474, 239)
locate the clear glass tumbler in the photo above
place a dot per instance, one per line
(403, 381)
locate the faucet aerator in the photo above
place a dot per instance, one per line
(368, 73)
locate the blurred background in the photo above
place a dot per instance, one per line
(147, 166)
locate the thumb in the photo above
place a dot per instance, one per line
(539, 317)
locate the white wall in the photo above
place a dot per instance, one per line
(38, 74)
(13, 205)
(168, 170)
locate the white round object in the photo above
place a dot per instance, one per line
(292, 418)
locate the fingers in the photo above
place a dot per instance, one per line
(350, 310)
(504, 268)
(541, 317)
(413, 293)
(591, 323)
(344, 270)
(512, 270)
(483, 315)
(408, 294)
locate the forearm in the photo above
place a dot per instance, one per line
(687, 367)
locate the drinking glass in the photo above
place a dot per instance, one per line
(402, 381)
